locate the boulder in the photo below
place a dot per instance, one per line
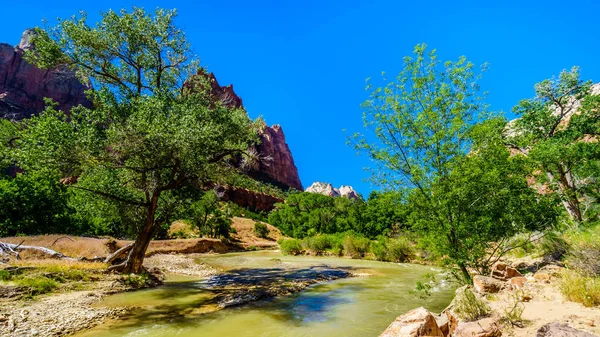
(517, 283)
(487, 327)
(561, 330)
(546, 273)
(415, 323)
(504, 272)
(485, 284)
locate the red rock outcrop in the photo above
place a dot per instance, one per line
(256, 202)
(23, 86)
(277, 165)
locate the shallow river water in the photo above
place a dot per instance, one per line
(355, 306)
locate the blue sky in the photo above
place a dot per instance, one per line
(303, 64)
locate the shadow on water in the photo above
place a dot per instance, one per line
(190, 302)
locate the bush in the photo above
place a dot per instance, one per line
(317, 244)
(290, 247)
(399, 250)
(38, 285)
(580, 288)
(584, 253)
(468, 306)
(5, 275)
(553, 246)
(261, 230)
(356, 246)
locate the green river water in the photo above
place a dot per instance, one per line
(356, 306)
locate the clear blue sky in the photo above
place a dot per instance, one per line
(302, 64)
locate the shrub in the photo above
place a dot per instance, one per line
(5, 275)
(317, 244)
(379, 250)
(580, 288)
(135, 281)
(261, 230)
(399, 250)
(290, 247)
(468, 306)
(356, 246)
(38, 285)
(584, 253)
(553, 246)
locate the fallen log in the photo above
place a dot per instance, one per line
(12, 249)
(117, 253)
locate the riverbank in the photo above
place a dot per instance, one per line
(506, 303)
(77, 305)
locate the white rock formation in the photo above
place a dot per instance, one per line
(328, 189)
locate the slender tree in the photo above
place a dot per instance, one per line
(145, 138)
(556, 129)
(426, 124)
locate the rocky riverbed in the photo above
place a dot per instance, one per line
(71, 310)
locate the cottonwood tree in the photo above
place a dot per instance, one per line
(145, 138)
(557, 129)
(462, 198)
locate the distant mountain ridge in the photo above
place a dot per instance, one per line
(328, 189)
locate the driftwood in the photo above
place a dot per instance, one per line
(12, 249)
(117, 253)
(60, 238)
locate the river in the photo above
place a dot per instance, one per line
(355, 306)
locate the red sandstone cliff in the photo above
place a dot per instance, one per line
(24, 86)
(278, 168)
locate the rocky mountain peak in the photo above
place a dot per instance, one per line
(23, 86)
(328, 189)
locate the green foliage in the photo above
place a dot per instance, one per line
(424, 287)
(135, 281)
(584, 252)
(356, 246)
(261, 230)
(468, 306)
(5, 275)
(399, 250)
(34, 203)
(550, 130)
(393, 250)
(290, 247)
(307, 214)
(38, 285)
(580, 288)
(465, 191)
(513, 314)
(207, 216)
(145, 139)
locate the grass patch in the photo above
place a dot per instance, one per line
(37, 285)
(5, 275)
(580, 288)
(468, 306)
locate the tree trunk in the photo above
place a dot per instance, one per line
(568, 189)
(465, 273)
(135, 258)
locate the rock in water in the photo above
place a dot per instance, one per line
(415, 323)
(23, 86)
(561, 330)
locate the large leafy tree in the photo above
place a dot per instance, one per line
(557, 129)
(462, 197)
(144, 139)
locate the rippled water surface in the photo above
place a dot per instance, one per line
(356, 306)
